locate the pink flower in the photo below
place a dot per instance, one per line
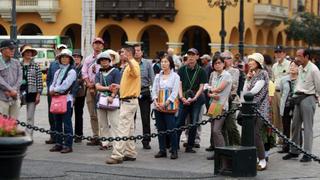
(8, 126)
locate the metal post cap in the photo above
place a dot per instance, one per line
(248, 96)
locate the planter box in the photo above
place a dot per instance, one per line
(12, 152)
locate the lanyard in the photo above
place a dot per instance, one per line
(217, 80)
(193, 77)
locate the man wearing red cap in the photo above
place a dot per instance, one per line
(89, 70)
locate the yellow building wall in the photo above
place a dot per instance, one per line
(190, 13)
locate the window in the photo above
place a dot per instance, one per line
(51, 54)
(40, 54)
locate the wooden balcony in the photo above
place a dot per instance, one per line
(141, 9)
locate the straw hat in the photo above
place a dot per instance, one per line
(29, 48)
(115, 54)
(65, 52)
(103, 55)
(258, 57)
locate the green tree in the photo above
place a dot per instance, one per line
(306, 27)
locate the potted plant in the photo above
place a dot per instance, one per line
(13, 146)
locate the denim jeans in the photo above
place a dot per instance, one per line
(166, 121)
(64, 120)
(194, 110)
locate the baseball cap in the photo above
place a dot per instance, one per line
(193, 50)
(278, 48)
(97, 39)
(7, 44)
(62, 46)
(205, 56)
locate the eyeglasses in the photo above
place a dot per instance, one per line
(218, 63)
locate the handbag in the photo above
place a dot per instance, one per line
(23, 98)
(104, 104)
(58, 104)
(164, 94)
(103, 97)
(215, 109)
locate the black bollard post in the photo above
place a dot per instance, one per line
(247, 134)
(240, 161)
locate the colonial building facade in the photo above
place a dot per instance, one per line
(160, 24)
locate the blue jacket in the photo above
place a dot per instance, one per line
(54, 66)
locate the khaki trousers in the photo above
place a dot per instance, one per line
(275, 105)
(125, 127)
(31, 108)
(91, 104)
(107, 123)
(10, 109)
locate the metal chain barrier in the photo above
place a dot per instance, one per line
(285, 138)
(126, 138)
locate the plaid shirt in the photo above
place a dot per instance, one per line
(34, 78)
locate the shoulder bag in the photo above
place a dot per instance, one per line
(103, 97)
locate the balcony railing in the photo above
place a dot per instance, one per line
(46, 8)
(269, 14)
(142, 9)
(27, 2)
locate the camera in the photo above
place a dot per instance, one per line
(189, 94)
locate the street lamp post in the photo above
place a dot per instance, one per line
(222, 4)
(241, 29)
(13, 27)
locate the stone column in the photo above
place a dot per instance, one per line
(88, 27)
(176, 46)
(133, 43)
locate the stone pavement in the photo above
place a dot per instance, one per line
(87, 162)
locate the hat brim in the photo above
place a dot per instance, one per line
(60, 55)
(98, 41)
(192, 52)
(34, 52)
(100, 59)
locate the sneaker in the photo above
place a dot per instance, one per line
(290, 156)
(77, 140)
(66, 150)
(56, 148)
(196, 145)
(190, 150)
(93, 142)
(174, 155)
(305, 159)
(114, 161)
(127, 158)
(160, 155)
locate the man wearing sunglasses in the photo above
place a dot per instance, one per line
(10, 80)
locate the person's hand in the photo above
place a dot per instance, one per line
(14, 93)
(159, 108)
(185, 101)
(192, 100)
(216, 97)
(51, 93)
(250, 74)
(37, 99)
(110, 99)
